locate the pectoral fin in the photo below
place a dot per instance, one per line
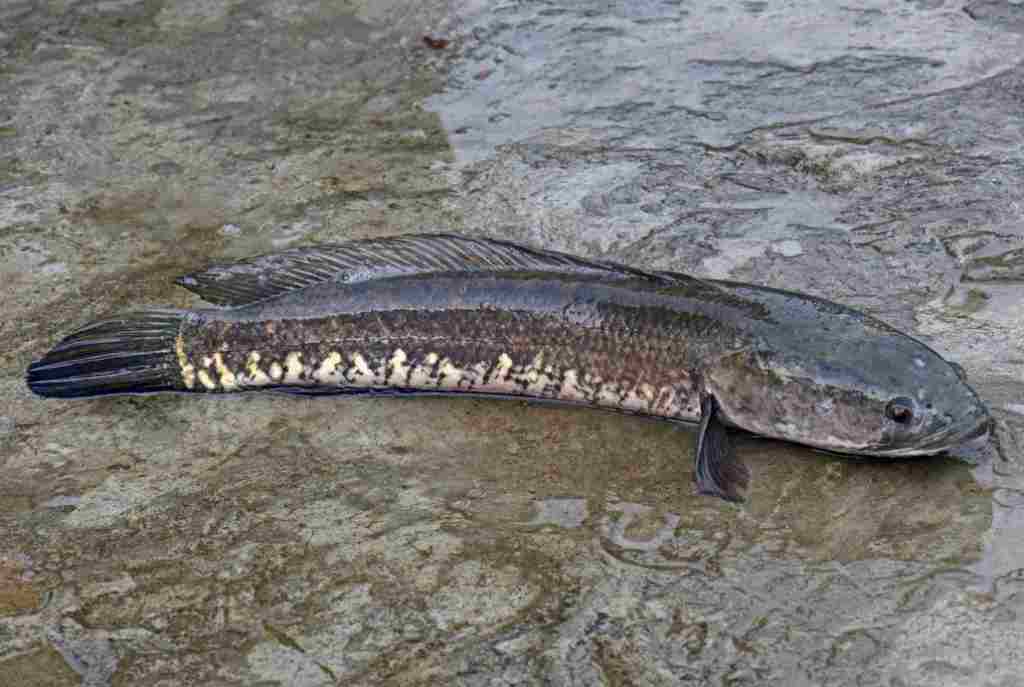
(719, 471)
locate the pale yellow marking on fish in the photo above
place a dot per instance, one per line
(507, 377)
(360, 366)
(539, 384)
(398, 366)
(536, 377)
(505, 364)
(188, 375)
(448, 375)
(257, 378)
(328, 366)
(571, 386)
(293, 367)
(275, 371)
(206, 380)
(646, 391)
(668, 399)
(670, 403)
(421, 375)
(188, 370)
(474, 376)
(633, 401)
(179, 349)
(227, 377)
(639, 397)
(255, 375)
(608, 395)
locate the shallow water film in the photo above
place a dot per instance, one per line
(867, 152)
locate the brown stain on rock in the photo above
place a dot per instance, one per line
(149, 256)
(160, 252)
(17, 596)
(42, 668)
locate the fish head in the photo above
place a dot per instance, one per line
(885, 395)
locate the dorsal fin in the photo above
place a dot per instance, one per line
(266, 276)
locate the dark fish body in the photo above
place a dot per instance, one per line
(447, 314)
(620, 345)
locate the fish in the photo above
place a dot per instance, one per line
(457, 315)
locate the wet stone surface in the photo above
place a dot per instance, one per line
(868, 153)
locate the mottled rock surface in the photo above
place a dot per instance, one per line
(872, 153)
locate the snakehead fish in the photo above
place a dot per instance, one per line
(446, 314)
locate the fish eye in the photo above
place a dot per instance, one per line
(900, 410)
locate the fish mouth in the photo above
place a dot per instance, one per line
(942, 439)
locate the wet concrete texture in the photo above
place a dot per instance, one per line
(872, 153)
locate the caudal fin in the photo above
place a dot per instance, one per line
(131, 354)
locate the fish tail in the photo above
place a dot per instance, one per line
(134, 353)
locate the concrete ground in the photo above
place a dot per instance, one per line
(871, 153)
